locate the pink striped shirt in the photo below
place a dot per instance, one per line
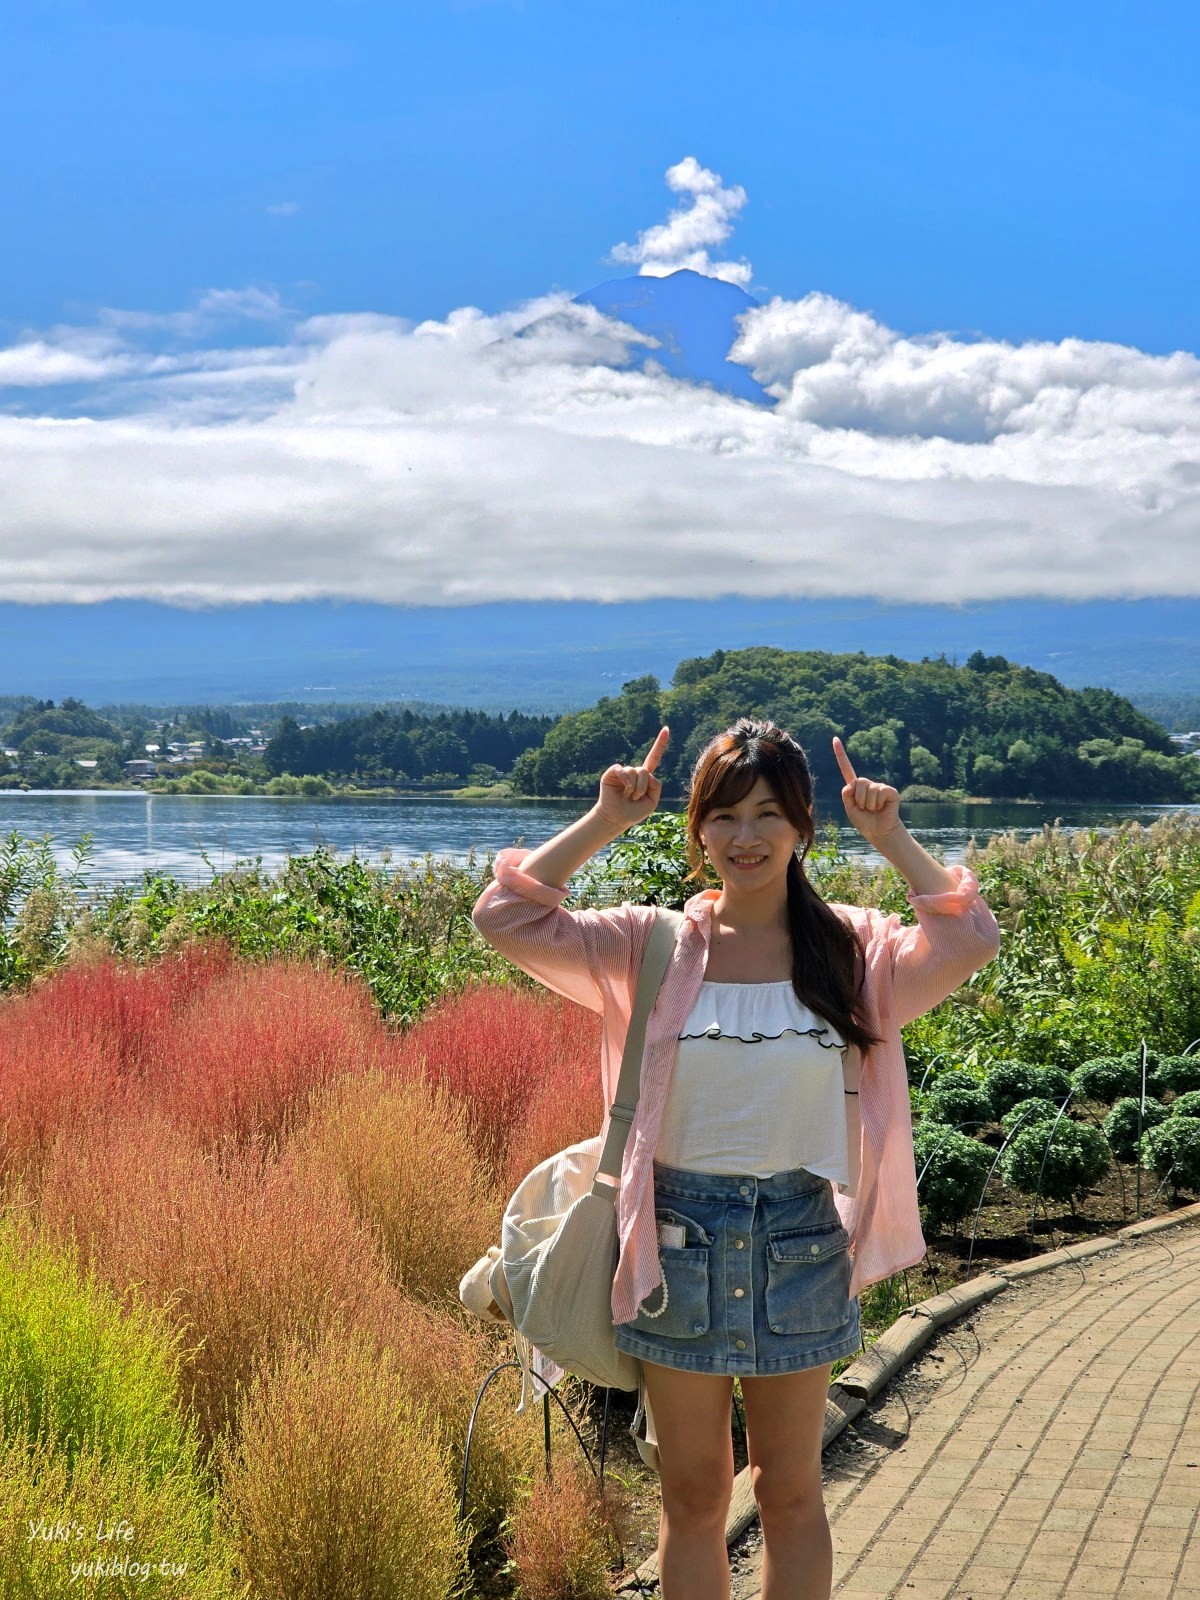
(593, 956)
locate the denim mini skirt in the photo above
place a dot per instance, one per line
(756, 1274)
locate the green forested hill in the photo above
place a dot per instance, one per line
(987, 727)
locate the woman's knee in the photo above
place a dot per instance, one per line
(787, 1495)
(697, 1490)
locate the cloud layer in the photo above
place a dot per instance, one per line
(239, 451)
(682, 240)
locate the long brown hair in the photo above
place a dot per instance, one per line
(828, 967)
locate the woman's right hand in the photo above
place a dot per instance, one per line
(629, 794)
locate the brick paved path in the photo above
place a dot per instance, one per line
(1046, 1447)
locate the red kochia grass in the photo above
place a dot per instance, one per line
(566, 1108)
(564, 1534)
(339, 1485)
(494, 1047)
(79, 1041)
(126, 1008)
(244, 1057)
(247, 1258)
(242, 1257)
(401, 1156)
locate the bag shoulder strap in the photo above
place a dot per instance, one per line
(654, 968)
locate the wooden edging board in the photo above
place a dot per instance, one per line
(896, 1346)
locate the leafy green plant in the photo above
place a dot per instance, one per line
(1108, 1078)
(1129, 1119)
(406, 930)
(1008, 1082)
(1028, 1112)
(39, 904)
(956, 1097)
(1172, 1152)
(1186, 1105)
(1180, 1073)
(1060, 1160)
(646, 865)
(951, 1171)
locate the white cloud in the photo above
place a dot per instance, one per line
(682, 239)
(515, 457)
(34, 363)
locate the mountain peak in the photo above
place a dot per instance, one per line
(692, 316)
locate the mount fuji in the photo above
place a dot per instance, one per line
(693, 317)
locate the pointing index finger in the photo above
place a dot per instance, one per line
(656, 750)
(843, 760)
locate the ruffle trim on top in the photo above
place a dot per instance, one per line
(752, 1012)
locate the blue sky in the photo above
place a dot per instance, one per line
(287, 309)
(1029, 171)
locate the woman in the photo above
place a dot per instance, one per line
(768, 1177)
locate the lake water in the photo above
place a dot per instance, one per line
(133, 830)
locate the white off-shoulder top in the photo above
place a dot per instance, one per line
(760, 1086)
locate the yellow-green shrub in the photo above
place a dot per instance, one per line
(338, 1484)
(78, 1372)
(172, 1522)
(401, 1155)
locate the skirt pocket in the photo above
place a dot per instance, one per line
(808, 1279)
(678, 1308)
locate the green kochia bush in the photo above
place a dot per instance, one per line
(1186, 1105)
(73, 1368)
(1122, 1128)
(92, 1435)
(1108, 1078)
(1076, 1156)
(176, 1550)
(950, 1187)
(955, 1098)
(1008, 1082)
(1172, 1150)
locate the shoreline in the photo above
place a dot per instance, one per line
(504, 791)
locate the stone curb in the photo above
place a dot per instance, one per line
(862, 1381)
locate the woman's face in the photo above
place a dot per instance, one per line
(751, 842)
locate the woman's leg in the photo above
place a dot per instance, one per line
(785, 1417)
(695, 1459)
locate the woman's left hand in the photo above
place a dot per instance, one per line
(873, 808)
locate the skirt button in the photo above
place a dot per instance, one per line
(743, 1190)
(738, 1293)
(740, 1343)
(739, 1244)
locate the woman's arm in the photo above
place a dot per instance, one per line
(956, 933)
(924, 875)
(520, 912)
(554, 862)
